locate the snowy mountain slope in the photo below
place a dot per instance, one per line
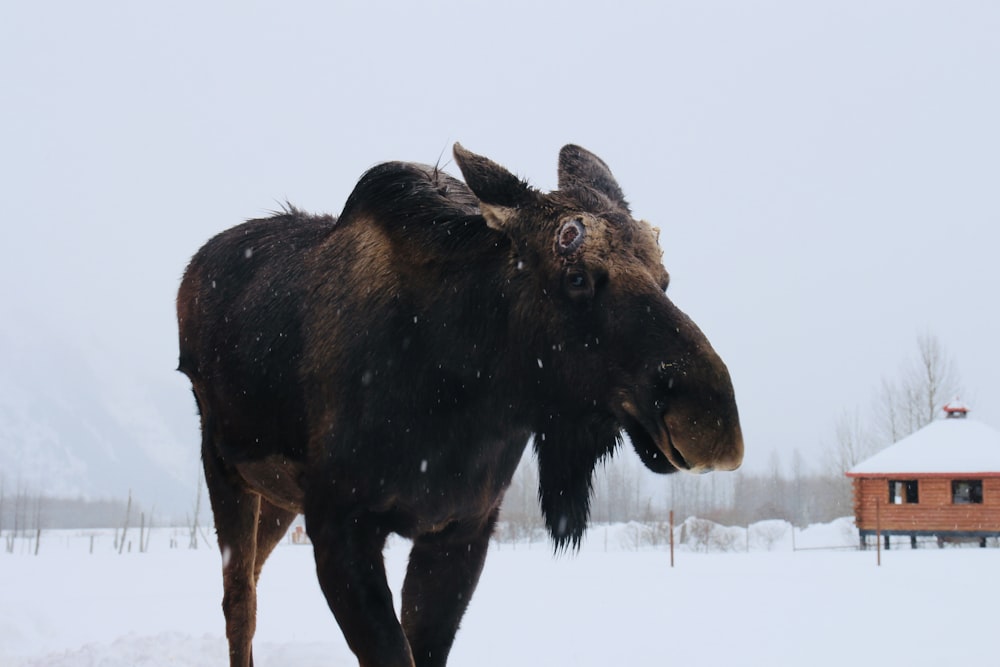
(74, 422)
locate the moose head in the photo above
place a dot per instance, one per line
(614, 352)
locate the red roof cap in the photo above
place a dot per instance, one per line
(956, 407)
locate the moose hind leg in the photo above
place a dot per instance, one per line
(236, 514)
(440, 579)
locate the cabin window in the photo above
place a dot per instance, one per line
(967, 492)
(903, 492)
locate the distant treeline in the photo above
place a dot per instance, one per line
(25, 511)
(624, 491)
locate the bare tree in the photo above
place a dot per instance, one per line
(891, 423)
(520, 514)
(938, 379)
(853, 442)
(144, 545)
(916, 397)
(38, 522)
(614, 491)
(20, 513)
(902, 406)
(193, 542)
(128, 512)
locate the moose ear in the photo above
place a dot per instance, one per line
(579, 167)
(499, 191)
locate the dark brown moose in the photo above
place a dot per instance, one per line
(382, 373)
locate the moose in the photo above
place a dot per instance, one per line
(384, 371)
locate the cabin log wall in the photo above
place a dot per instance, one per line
(933, 512)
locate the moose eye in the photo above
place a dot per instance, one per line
(570, 236)
(579, 285)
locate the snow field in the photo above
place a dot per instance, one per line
(66, 608)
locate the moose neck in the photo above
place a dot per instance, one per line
(483, 329)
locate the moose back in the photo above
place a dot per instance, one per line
(382, 372)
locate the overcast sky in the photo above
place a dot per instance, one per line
(825, 173)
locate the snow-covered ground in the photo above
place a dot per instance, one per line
(611, 604)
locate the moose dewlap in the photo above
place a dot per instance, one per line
(382, 372)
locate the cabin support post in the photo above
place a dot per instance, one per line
(913, 540)
(878, 534)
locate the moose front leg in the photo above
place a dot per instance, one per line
(440, 579)
(351, 573)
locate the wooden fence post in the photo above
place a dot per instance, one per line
(671, 538)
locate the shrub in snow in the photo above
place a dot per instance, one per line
(767, 535)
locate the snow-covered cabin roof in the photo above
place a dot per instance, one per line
(943, 446)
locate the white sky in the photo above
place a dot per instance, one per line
(825, 174)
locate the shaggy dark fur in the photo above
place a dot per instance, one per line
(382, 372)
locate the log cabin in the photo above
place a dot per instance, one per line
(942, 481)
